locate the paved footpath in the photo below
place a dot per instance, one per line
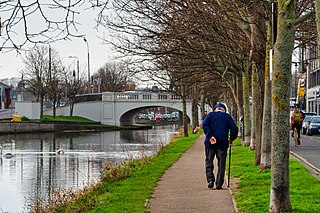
(183, 187)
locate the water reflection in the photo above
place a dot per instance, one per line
(36, 165)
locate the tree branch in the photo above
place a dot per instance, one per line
(304, 17)
(289, 3)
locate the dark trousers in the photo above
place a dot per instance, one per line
(221, 157)
(298, 126)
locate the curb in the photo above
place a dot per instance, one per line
(313, 169)
(230, 191)
(233, 201)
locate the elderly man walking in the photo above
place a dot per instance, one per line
(216, 127)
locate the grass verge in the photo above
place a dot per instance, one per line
(252, 193)
(65, 118)
(126, 187)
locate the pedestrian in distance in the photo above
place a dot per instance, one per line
(205, 113)
(217, 125)
(296, 121)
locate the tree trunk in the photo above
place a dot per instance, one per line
(239, 95)
(257, 24)
(54, 108)
(246, 110)
(281, 78)
(265, 161)
(184, 110)
(71, 108)
(41, 105)
(195, 109)
(253, 108)
(258, 113)
(229, 99)
(202, 104)
(257, 55)
(233, 98)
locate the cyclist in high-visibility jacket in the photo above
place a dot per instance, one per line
(296, 121)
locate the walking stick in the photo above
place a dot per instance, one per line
(229, 165)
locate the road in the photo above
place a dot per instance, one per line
(309, 150)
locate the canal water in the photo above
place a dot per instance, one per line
(37, 166)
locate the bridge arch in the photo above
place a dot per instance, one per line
(128, 117)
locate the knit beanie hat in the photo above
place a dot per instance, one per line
(220, 105)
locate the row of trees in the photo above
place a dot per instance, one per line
(219, 50)
(207, 51)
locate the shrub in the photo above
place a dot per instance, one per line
(24, 118)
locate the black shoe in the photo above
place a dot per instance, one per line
(298, 141)
(210, 184)
(219, 187)
(292, 134)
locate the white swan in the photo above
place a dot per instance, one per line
(60, 151)
(7, 155)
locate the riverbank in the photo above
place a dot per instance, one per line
(9, 127)
(129, 187)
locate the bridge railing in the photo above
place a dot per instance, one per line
(133, 96)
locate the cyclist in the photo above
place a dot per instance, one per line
(296, 121)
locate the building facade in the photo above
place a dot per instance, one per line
(313, 80)
(5, 99)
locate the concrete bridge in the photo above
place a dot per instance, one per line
(121, 108)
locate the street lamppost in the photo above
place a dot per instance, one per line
(77, 65)
(22, 88)
(89, 81)
(50, 62)
(295, 80)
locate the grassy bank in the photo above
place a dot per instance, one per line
(124, 188)
(253, 190)
(64, 118)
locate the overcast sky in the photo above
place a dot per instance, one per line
(11, 63)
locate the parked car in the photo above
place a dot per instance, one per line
(175, 115)
(309, 113)
(150, 117)
(142, 116)
(167, 116)
(305, 124)
(159, 117)
(313, 125)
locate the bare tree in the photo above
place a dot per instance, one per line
(71, 86)
(36, 72)
(54, 76)
(114, 76)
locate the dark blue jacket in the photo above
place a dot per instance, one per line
(218, 124)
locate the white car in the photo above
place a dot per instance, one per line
(305, 124)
